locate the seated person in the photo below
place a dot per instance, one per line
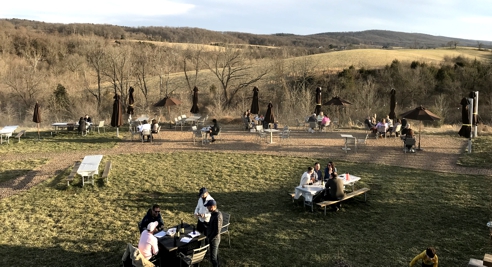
(370, 125)
(325, 121)
(334, 190)
(82, 125)
(381, 124)
(395, 126)
(154, 126)
(330, 170)
(409, 135)
(144, 126)
(390, 124)
(153, 215)
(317, 173)
(404, 126)
(88, 121)
(148, 242)
(214, 130)
(306, 178)
(312, 118)
(320, 116)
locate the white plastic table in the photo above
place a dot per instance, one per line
(271, 134)
(7, 132)
(347, 136)
(89, 167)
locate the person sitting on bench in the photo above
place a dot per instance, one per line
(334, 190)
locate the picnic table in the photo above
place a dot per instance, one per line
(7, 132)
(168, 250)
(67, 125)
(89, 167)
(349, 139)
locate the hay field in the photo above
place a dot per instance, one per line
(377, 58)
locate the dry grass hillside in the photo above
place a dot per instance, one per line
(377, 58)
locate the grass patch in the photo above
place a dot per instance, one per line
(63, 141)
(407, 210)
(480, 156)
(13, 169)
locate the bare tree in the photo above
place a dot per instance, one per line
(144, 65)
(233, 72)
(95, 58)
(25, 82)
(192, 58)
(117, 69)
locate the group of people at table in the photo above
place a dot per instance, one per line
(209, 224)
(151, 127)
(334, 188)
(387, 123)
(252, 120)
(321, 119)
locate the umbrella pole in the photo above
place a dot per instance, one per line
(39, 136)
(117, 132)
(420, 130)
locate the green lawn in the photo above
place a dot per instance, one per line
(13, 169)
(481, 155)
(407, 210)
(63, 141)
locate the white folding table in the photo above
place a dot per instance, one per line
(89, 167)
(347, 137)
(271, 134)
(7, 132)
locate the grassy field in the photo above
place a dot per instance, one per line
(15, 168)
(480, 156)
(407, 210)
(64, 141)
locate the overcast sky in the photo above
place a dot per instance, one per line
(462, 19)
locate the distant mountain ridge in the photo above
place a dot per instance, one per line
(369, 38)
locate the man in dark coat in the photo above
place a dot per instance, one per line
(214, 130)
(153, 215)
(213, 231)
(334, 190)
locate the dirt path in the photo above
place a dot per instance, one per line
(440, 152)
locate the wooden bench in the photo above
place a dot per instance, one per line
(21, 133)
(327, 203)
(107, 169)
(292, 196)
(73, 173)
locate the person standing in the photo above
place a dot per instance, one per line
(428, 257)
(153, 214)
(201, 212)
(213, 231)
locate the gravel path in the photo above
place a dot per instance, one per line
(440, 152)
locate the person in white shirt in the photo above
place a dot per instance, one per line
(145, 126)
(148, 242)
(306, 177)
(201, 212)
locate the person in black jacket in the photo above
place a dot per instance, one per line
(213, 231)
(214, 130)
(153, 215)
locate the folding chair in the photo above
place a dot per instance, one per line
(196, 256)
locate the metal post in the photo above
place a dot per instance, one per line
(475, 112)
(470, 112)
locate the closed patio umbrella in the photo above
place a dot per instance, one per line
(194, 108)
(392, 114)
(116, 120)
(255, 107)
(465, 130)
(131, 101)
(420, 114)
(317, 110)
(37, 117)
(269, 117)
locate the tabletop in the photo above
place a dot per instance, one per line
(271, 130)
(347, 136)
(168, 241)
(64, 123)
(90, 164)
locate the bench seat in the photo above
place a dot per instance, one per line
(107, 169)
(73, 173)
(327, 203)
(21, 133)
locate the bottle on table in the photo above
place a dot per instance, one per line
(182, 227)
